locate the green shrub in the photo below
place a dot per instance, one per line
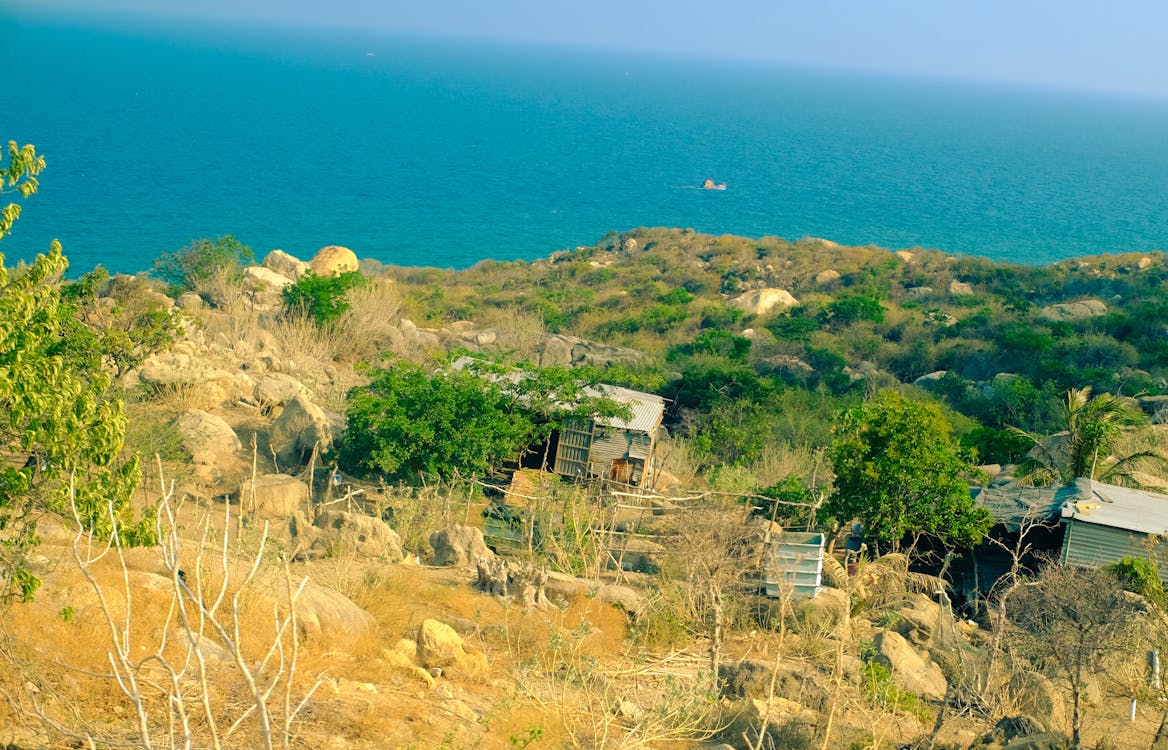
(321, 298)
(1141, 576)
(201, 260)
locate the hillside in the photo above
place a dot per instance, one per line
(236, 394)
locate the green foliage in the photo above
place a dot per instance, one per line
(1140, 576)
(199, 262)
(852, 307)
(788, 502)
(795, 324)
(118, 337)
(321, 298)
(60, 435)
(1093, 427)
(408, 424)
(878, 687)
(717, 343)
(898, 471)
(20, 175)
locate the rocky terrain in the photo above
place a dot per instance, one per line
(288, 604)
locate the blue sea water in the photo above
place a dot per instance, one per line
(443, 153)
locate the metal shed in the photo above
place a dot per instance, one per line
(611, 447)
(1105, 523)
(794, 562)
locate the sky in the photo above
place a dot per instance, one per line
(1114, 47)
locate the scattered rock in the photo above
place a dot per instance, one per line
(960, 288)
(459, 546)
(260, 278)
(207, 438)
(286, 265)
(920, 620)
(623, 597)
(927, 381)
(762, 301)
(441, 647)
(300, 428)
(333, 260)
(356, 533)
(176, 369)
(1088, 308)
(911, 670)
(273, 496)
(331, 615)
(906, 255)
(276, 389)
(916, 292)
(568, 351)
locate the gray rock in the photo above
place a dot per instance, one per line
(458, 546)
(960, 288)
(274, 496)
(911, 670)
(207, 438)
(358, 534)
(301, 427)
(1088, 308)
(286, 265)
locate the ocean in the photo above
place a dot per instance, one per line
(443, 152)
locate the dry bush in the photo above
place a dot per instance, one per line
(520, 332)
(366, 327)
(180, 643)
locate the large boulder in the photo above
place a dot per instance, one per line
(333, 260)
(762, 301)
(331, 615)
(301, 427)
(275, 389)
(441, 647)
(911, 670)
(186, 371)
(1081, 310)
(286, 265)
(207, 438)
(274, 495)
(823, 278)
(459, 546)
(920, 620)
(260, 278)
(357, 533)
(960, 288)
(559, 350)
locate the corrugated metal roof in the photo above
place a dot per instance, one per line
(647, 408)
(1118, 507)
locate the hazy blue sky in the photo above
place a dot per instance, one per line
(1115, 46)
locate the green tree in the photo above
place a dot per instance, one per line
(408, 423)
(24, 164)
(899, 472)
(60, 434)
(1087, 447)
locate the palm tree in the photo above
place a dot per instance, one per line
(1087, 448)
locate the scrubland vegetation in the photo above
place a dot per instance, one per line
(150, 601)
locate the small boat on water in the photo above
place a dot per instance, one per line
(711, 185)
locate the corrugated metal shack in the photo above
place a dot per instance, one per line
(613, 448)
(1105, 523)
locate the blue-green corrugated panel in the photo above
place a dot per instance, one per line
(1093, 545)
(795, 560)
